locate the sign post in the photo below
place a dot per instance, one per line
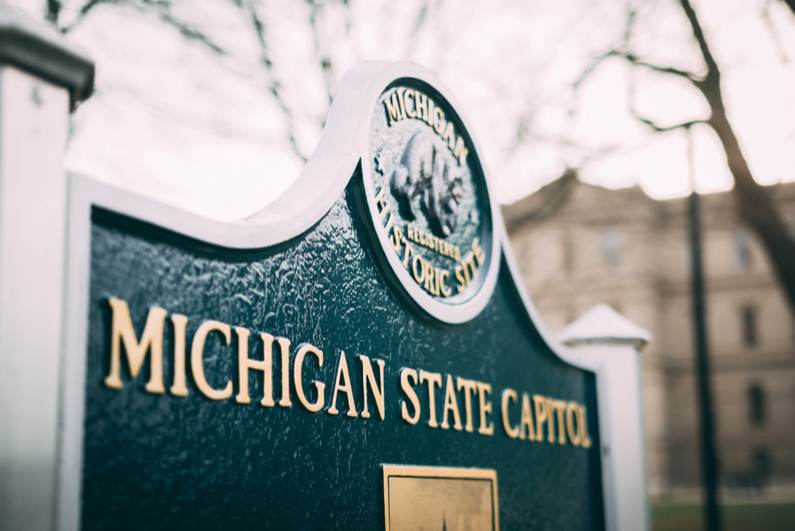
(41, 77)
(606, 337)
(360, 354)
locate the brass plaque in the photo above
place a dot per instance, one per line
(440, 499)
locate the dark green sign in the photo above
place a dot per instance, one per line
(359, 355)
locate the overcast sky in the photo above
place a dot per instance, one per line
(175, 121)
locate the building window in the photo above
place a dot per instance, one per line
(611, 247)
(742, 250)
(761, 464)
(756, 404)
(750, 326)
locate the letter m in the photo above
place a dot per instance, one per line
(122, 331)
(393, 109)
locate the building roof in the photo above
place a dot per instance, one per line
(570, 199)
(573, 199)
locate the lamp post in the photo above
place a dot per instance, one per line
(709, 458)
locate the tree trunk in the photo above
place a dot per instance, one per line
(754, 204)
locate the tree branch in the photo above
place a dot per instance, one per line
(81, 14)
(325, 59)
(650, 123)
(633, 59)
(775, 36)
(275, 87)
(190, 33)
(590, 69)
(162, 7)
(755, 205)
(713, 73)
(662, 69)
(53, 11)
(660, 129)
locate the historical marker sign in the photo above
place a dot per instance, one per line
(359, 355)
(430, 203)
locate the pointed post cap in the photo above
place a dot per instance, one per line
(602, 325)
(43, 52)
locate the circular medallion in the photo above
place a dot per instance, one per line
(429, 200)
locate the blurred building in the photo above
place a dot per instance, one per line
(578, 245)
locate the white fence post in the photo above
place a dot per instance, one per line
(41, 79)
(610, 340)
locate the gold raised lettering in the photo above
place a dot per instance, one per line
(407, 255)
(197, 359)
(393, 109)
(284, 347)
(468, 261)
(430, 280)
(400, 102)
(442, 276)
(462, 285)
(469, 387)
(395, 239)
(486, 426)
(550, 419)
(508, 395)
(433, 379)
(449, 135)
(418, 260)
(421, 104)
(438, 120)
(572, 413)
(550, 407)
(383, 208)
(460, 152)
(527, 419)
(559, 406)
(368, 380)
(478, 253)
(408, 388)
(450, 404)
(541, 415)
(409, 94)
(244, 363)
(582, 421)
(122, 331)
(342, 371)
(180, 323)
(298, 367)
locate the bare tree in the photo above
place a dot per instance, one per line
(250, 10)
(755, 206)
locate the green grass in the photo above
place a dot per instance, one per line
(746, 517)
